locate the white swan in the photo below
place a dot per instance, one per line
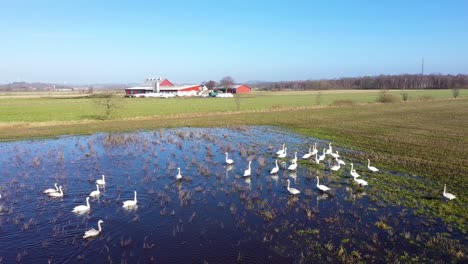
(372, 168)
(283, 155)
(82, 208)
(51, 190)
(294, 160)
(353, 172)
(130, 203)
(307, 155)
(316, 158)
(361, 182)
(292, 167)
(96, 193)
(322, 157)
(293, 191)
(336, 167)
(321, 187)
(275, 169)
(101, 181)
(178, 176)
(341, 162)
(279, 152)
(93, 232)
(329, 150)
(448, 195)
(248, 170)
(228, 160)
(57, 194)
(314, 150)
(335, 154)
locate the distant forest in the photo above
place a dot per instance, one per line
(404, 81)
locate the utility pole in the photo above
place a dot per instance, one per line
(422, 66)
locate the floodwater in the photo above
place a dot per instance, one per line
(212, 215)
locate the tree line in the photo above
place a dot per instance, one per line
(402, 81)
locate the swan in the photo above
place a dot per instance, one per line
(353, 172)
(292, 167)
(340, 161)
(336, 167)
(82, 208)
(316, 158)
(93, 232)
(293, 191)
(275, 169)
(57, 194)
(283, 155)
(372, 168)
(95, 193)
(130, 203)
(50, 190)
(294, 160)
(448, 195)
(322, 157)
(101, 181)
(361, 182)
(247, 171)
(321, 187)
(178, 176)
(329, 150)
(279, 152)
(228, 160)
(335, 154)
(307, 155)
(314, 150)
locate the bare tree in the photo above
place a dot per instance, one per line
(227, 82)
(108, 104)
(210, 85)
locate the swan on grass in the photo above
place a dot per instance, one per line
(96, 193)
(56, 194)
(308, 155)
(317, 161)
(178, 176)
(248, 170)
(353, 172)
(448, 195)
(341, 162)
(329, 150)
(130, 203)
(275, 169)
(292, 191)
(314, 150)
(322, 157)
(292, 167)
(336, 167)
(361, 182)
(283, 155)
(101, 181)
(335, 154)
(51, 190)
(294, 160)
(372, 168)
(281, 151)
(228, 160)
(82, 208)
(321, 187)
(93, 232)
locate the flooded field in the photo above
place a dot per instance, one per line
(212, 214)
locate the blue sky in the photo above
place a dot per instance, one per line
(85, 42)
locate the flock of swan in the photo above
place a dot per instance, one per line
(81, 209)
(281, 154)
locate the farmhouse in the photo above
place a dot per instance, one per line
(154, 87)
(237, 88)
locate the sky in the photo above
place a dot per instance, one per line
(88, 42)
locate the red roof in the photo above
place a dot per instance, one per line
(166, 82)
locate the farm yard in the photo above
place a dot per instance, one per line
(418, 145)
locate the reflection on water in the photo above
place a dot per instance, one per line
(211, 214)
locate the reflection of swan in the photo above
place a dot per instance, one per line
(248, 171)
(57, 194)
(292, 167)
(82, 208)
(275, 178)
(353, 172)
(293, 175)
(228, 160)
(101, 181)
(279, 152)
(322, 157)
(293, 191)
(294, 160)
(95, 193)
(448, 195)
(93, 232)
(248, 181)
(51, 190)
(307, 155)
(229, 167)
(372, 168)
(130, 203)
(321, 187)
(178, 176)
(283, 155)
(275, 169)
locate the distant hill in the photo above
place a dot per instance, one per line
(39, 86)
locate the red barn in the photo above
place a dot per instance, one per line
(237, 88)
(166, 82)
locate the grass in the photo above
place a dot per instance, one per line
(426, 137)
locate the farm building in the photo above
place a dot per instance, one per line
(153, 87)
(237, 89)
